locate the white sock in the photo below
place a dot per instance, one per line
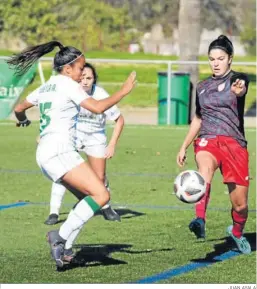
(73, 236)
(83, 212)
(57, 194)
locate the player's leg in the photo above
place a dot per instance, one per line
(207, 165)
(239, 213)
(99, 166)
(83, 179)
(57, 194)
(95, 155)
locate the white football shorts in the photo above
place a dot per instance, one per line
(55, 158)
(92, 144)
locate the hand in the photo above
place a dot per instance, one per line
(181, 157)
(23, 123)
(238, 87)
(129, 84)
(110, 150)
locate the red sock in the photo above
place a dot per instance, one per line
(201, 206)
(239, 221)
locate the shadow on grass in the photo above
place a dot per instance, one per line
(227, 245)
(127, 213)
(100, 255)
(124, 213)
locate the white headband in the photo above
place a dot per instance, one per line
(70, 61)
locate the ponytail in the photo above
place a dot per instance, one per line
(23, 61)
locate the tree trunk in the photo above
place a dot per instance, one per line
(189, 41)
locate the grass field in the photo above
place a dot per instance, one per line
(153, 236)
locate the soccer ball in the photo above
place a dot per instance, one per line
(189, 186)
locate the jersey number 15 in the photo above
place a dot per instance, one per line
(44, 118)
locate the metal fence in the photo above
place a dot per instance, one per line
(170, 65)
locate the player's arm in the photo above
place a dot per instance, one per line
(191, 135)
(20, 114)
(119, 124)
(99, 106)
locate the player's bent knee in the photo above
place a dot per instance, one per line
(206, 169)
(102, 198)
(207, 172)
(241, 208)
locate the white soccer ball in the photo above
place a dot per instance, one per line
(189, 186)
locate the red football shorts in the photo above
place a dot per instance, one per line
(231, 157)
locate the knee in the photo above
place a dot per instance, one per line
(103, 196)
(241, 208)
(207, 169)
(207, 172)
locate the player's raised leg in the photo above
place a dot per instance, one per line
(85, 180)
(207, 165)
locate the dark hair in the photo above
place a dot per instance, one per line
(23, 61)
(222, 42)
(88, 65)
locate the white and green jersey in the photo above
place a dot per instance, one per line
(58, 101)
(89, 122)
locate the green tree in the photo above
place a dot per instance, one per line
(229, 15)
(32, 21)
(84, 24)
(248, 37)
(146, 13)
(248, 25)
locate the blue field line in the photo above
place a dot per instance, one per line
(14, 205)
(185, 268)
(18, 171)
(126, 206)
(174, 207)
